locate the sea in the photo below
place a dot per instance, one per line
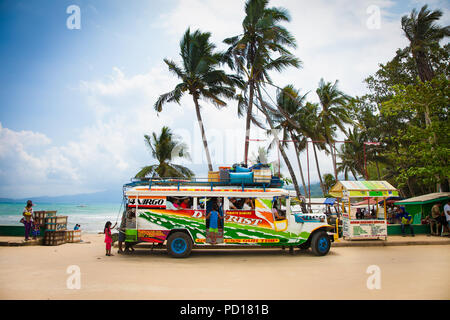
(91, 217)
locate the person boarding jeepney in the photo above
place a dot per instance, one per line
(213, 217)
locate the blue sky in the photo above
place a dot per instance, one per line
(75, 104)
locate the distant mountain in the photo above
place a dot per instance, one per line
(316, 191)
(114, 196)
(97, 197)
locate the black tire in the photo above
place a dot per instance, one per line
(179, 245)
(320, 243)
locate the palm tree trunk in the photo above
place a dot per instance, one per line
(297, 153)
(248, 122)
(333, 158)
(283, 153)
(424, 68)
(378, 170)
(322, 186)
(202, 130)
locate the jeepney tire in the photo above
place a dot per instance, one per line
(320, 243)
(179, 245)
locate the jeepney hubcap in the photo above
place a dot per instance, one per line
(323, 244)
(179, 245)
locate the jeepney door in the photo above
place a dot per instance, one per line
(209, 202)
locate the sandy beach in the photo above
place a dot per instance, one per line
(40, 272)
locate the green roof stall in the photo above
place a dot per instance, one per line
(420, 207)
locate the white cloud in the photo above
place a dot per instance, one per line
(334, 42)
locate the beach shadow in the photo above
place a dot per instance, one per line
(224, 253)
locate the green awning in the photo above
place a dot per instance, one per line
(424, 199)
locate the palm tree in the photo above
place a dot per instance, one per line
(271, 115)
(290, 100)
(352, 154)
(423, 33)
(311, 128)
(333, 114)
(250, 53)
(329, 181)
(165, 148)
(200, 78)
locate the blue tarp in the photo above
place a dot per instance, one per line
(330, 201)
(389, 199)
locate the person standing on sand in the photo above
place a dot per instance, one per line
(406, 222)
(434, 219)
(27, 214)
(447, 216)
(108, 237)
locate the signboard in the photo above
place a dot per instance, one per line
(361, 229)
(147, 202)
(374, 193)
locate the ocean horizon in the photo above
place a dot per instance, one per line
(92, 216)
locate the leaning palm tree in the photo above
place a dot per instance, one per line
(270, 114)
(251, 54)
(334, 113)
(165, 148)
(423, 33)
(200, 78)
(291, 101)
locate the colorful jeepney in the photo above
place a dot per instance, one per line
(151, 216)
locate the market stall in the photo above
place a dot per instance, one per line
(357, 227)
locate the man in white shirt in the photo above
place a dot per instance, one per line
(447, 215)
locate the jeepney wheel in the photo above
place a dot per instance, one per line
(179, 245)
(320, 243)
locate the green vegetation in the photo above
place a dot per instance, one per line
(165, 148)
(398, 132)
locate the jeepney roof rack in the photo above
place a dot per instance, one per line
(275, 182)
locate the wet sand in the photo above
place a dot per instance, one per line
(407, 272)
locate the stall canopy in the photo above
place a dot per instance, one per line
(391, 200)
(363, 189)
(369, 201)
(420, 206)
(426, 198)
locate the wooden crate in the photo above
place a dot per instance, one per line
(54, 238)
(56, 223)
(73, 236)
(262, 175)
(213, 176)
(39, 216)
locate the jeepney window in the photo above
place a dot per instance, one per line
(186, 203)
(170, 204)
(241, 203)
(179, 203)
(201, 203)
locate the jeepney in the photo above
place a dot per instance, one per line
(175, 215)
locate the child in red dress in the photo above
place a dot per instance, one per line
(108, 237)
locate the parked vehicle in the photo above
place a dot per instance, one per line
(176, 214)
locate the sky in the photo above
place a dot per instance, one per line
(75, 103)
